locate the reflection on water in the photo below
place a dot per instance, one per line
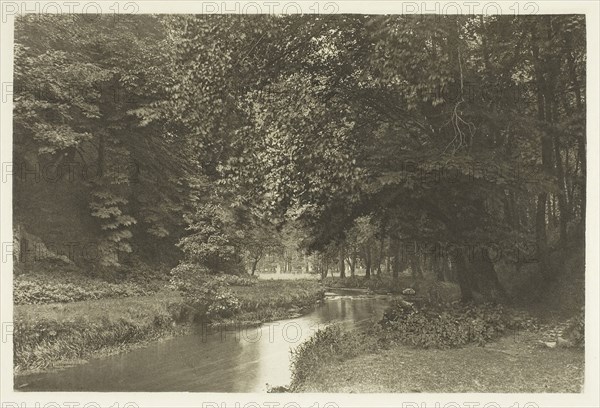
(239, 360)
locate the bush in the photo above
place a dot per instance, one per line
(452, 326)
(208, 295)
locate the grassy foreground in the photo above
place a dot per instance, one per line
(49, 336)
(510, 364)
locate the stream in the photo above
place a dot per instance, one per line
(235, 360)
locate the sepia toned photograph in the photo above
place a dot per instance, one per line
(297, 202)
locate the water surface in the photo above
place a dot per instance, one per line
(239, 360)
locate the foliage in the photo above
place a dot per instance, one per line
(208, 296)
(81, 89)
(362, 118)
(449, 327)
(359, 133)
(36, 289)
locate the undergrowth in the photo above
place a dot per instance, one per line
(404, 323)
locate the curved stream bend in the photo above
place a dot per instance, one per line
(242, 360)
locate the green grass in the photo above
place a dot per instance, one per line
(510, 364)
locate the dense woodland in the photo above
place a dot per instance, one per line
(440, 146)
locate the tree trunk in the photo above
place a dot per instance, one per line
(415, 267)
(342, 263)
(368, 262)
(380, 257)
(562, 197)
(394, 251)
(254, 265)
(444, 269)
(322, 267)
(464, 278)
(485, 267)
(546, 144)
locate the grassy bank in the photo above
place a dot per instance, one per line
(54, 335)
(49, 336)
(273, 300)
(458, 348)
(510, 364)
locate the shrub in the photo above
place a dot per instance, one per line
(208, 295)
(224, 304)
(452, 326)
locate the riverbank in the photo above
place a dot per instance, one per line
(57, 335)
(509, 364)
(454, 348)
(271, 300)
